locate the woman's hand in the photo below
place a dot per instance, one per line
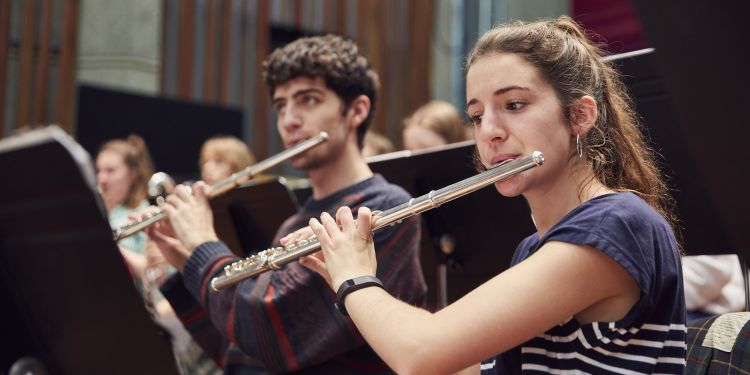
(157, 267)
(136, 262)
(348, 249)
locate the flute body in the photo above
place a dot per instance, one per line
(228, 183)
(276, 257)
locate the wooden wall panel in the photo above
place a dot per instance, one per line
(420, 42)
(165, 12)
(330, 13)
(371, 36)
(68, 49)
(242, 55)
(394, 35)
(186, 42)
(4, 36)
(42, 65)
(341, 17)
(26, 63)
(209, 53)
(262, 48)
(298, 14)
(224, 55)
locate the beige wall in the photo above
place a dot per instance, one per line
(119, 44)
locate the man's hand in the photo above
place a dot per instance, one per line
(303, 233)
(191, 216)
(162, 236)
(189, 224)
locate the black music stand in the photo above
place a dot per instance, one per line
(68, 298)
(480, 230)
(247, 218)
(709, 190)
(715, 60)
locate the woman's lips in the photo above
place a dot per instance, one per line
(500, 158)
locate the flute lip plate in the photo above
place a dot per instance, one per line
(538, 157)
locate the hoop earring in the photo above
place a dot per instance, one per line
(579, 146)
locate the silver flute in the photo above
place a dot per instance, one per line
(274, 258)
(228, 183)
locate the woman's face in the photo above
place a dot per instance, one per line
(114, 177)
(214, 170)
(417, 138)
(514, 112)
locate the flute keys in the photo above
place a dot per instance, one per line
(278, 250)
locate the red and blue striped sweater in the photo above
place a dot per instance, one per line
(286, 320)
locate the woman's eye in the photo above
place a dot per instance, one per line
(475, 119)
(515, 105)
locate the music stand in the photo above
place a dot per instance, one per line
(482, 229)
(247, 218)
(68, 298)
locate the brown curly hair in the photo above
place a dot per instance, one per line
(616, 149)
(335, 59)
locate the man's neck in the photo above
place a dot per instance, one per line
(338, 174)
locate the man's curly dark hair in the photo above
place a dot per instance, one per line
(335, 59)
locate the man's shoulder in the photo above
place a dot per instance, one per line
(385, 192)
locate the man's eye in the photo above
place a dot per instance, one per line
(476, 119)
(309, 100)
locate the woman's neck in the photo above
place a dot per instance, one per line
(110, 205)
(572, 189)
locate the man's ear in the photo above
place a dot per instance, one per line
(358, 110)
(583, 114)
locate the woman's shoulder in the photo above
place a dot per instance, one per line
(619, 220)
(620, 207)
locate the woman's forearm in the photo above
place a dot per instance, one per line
(400, 333)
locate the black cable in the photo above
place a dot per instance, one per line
(743, 267)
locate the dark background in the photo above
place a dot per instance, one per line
(173, 130)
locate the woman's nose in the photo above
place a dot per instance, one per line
(492, 128)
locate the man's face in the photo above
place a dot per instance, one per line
(305, 107)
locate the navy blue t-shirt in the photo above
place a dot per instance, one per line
(651, 337)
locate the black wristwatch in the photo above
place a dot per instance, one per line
(351, 285)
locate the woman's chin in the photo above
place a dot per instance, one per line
(509, 188)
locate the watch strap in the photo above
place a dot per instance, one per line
(352, 285)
